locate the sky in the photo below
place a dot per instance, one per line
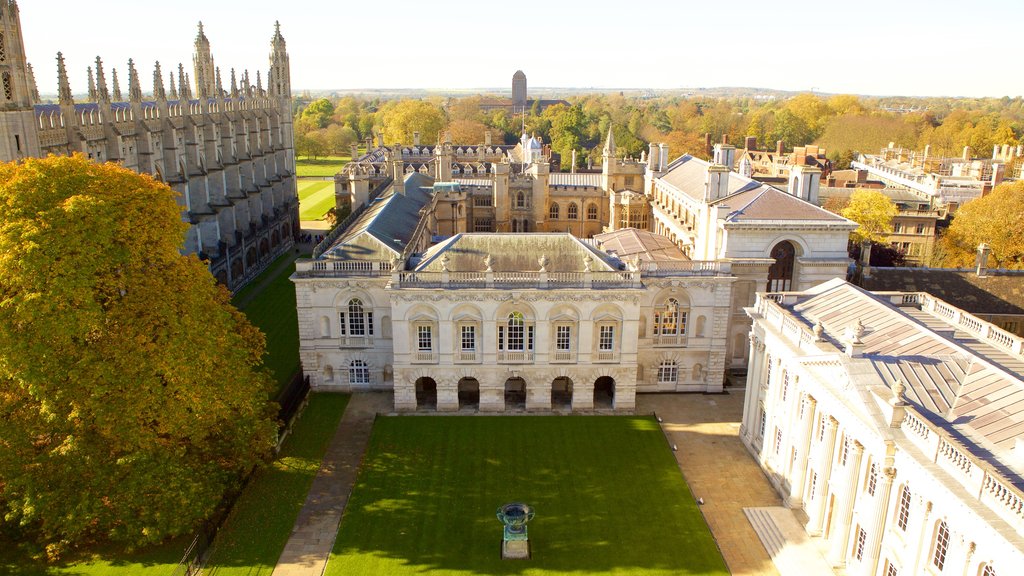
(892, 47)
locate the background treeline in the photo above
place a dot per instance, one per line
(842, 124)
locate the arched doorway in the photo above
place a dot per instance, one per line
(250, 257)
(237, 269)
(515, 394)
(780, 274)
(469, 393)
(561, 393)
(426, 393)
(264, 247)
(604, 392)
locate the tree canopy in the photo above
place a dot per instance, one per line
(874, 212)
(131, 392)
(400, 118)
(996, 219)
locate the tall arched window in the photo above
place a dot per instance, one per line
(941, 545)
(903, 518)
(356, 320)
(670, 320)
(358, 372)
(572, 213)
(515, 334)
(520, 200)
(553, 212)
(780, 274)
(591, 211)
(873, 478)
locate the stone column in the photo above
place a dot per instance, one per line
(883, 492)
(538, 395)
(921, 550)
(492, 398)
(405, 394)
(448, 396)
(802, 444)
(816, 514)
(842, 515)
(751, 400)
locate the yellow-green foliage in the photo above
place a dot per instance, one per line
(996, 219)
(874, 212)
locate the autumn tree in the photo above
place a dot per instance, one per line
(399, 119)
(131, 392)
(874, 212)
(996, 219)
(319, 112)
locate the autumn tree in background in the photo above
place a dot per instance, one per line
(874, 212)
(399, 119)
(996, 219)
(131, 392)
(319, 112)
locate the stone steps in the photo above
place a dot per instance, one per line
(785, 540)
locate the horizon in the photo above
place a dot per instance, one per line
(331, 48)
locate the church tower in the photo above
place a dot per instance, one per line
(279, 79)
(519, 90)
(18, 137)
(202, 62)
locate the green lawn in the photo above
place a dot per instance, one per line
(607, 491)
(316, 197)
(272, 310)
(156, 561)
(253, 537)
(320, 166)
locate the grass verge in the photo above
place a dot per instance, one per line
(319, 167)
(316, 197)
(608, 494)
(255, 533)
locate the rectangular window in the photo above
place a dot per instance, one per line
(369, 323)
(469, 338)
(563, 338)
(764, 422)
(515, 338)
(424, 338)
(862, 540)
(501, 337)
(920, 228)
(813, 487)
(778, 441)
(668, 373)
(606, 339)
(344, 323)
(529, 338)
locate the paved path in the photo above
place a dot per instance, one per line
(790, 547)
(718, 469)
(312, 538)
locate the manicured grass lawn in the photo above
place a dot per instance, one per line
(253, 537)
(273, 311)
(316, 197)
(607, 491)
(156, 561)
(321, 166)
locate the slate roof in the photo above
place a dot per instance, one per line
(391, 218)
(1001, 292)
(960, 382)
(515, 253)
(648, 246)
(578, 179)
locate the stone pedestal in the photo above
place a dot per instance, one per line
(515, 550)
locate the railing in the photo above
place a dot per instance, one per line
(467, 356)
(982, 330)
(606, 356)
(341, 268)
(597, 280)
(356, 341)
(425, 357)
(506, 357)
(563, 356)
(684, 268)
(954, 456)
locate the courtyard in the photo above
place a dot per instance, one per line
(608, 493)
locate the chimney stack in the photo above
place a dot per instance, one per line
(750, 143)
(415, 138)
(707, 143)
(663, 157)
(805, 182)
(487, 138)
(725, 155)
(982, 260)
(865, 258)
(967, 153)
(780, 148)
(652, 157)
(716, 183)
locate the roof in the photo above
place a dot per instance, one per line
(960, 382)
(896, 194)
(515, 253)
(647, 246)
(391, 219)
(589, 179)
(1000, 292)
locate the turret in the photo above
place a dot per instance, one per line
(279, 78)
(202, 62)
(14, 69)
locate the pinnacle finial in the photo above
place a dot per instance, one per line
(116, 85)
(134, 89)
(219, 84)
(174, 89)
(234, 84)
(158, 83)
(34, 90)
(63, 86)
(102, 94)
(92, 86)
(609, 144)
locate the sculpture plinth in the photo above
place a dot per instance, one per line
(515, 543)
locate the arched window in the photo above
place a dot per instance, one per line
(515, 334)
(591, 211)
(670, 320)
(668, 372)
(358, 372)
(872, 478)
(520, 200)
(553, 212)
(903, 517)
(941, 545)
(780, 274)
(356, 320)
(988, 570)
(572, 213)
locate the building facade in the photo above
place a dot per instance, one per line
(891, 422)
(227, 150)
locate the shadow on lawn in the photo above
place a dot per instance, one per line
(607, 492)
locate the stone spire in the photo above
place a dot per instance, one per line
(259, 84)
(183, 88)
(186, 93)
(92, 86)
(102, 94)
(33, 89)
(174, 90)
(203, 66)
(134, 88)
(234, 84)
(219, 85)
(609, 144)
(246, 86)
(116, 85)
(158, 83)
(63, 86)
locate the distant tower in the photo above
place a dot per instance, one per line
(519, 89)
(202, 62)
(18, 137)
(279, 79)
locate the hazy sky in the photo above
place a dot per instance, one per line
(901, 47)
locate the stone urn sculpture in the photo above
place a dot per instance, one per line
(515, 543)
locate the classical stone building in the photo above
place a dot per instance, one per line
(474, 277)
(227, 150)
(891, 422)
